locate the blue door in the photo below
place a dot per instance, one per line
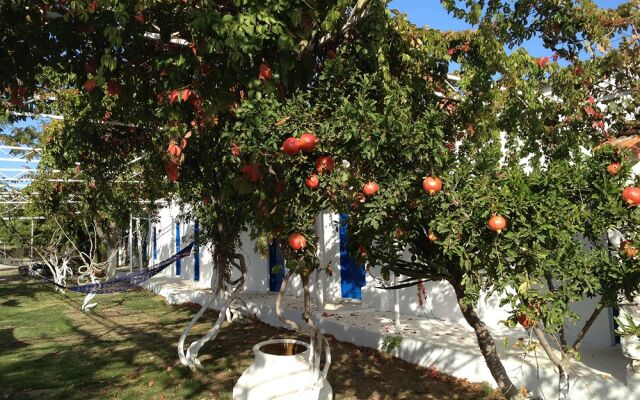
(276, 267)
(178, 263)
(352, 275)
(145, 248)
(196, 252)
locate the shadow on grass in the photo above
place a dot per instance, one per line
(126, 349)
(9, 341)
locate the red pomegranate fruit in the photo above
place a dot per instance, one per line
(325, 164)
(370, 188)
(297, 241)
(432, 185)
(89, 85)
(265, 72)
(631, 195)
(308, 142)
(497, 223)
(251, 172)
(291, 146)
(614, 168)
(312, 181)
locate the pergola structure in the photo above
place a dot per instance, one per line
(19, 167)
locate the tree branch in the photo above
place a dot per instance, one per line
(547, 347)
(283, 287)
(587, 326)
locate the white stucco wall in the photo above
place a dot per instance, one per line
(257, 264)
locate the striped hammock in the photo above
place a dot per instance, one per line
(128, 281)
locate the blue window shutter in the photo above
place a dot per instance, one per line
(178, 263)
(196, 251)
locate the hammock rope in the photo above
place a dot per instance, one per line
(128, 281)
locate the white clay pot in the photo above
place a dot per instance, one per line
(281, 371)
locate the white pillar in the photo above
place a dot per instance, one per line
(139, 243)
(320, 275)
(322, 258)
(172, 244)
(150, 242)
(396, 301)
(130, 243)
(31, 244)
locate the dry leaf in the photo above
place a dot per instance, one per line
(282, 121)
(151, 383)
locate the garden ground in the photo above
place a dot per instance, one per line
(126, 349)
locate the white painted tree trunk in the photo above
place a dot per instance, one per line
(86, 305)
(190, 357)
(563, 389)
(181, 353)
(192, 352)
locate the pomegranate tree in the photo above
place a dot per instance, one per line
(360, 99)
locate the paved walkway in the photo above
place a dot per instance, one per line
(449, 347)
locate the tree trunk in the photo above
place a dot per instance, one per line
(487, 346)
(112, 248)
(190, 357)
(316, 339)
(563, 389)
(286, 321)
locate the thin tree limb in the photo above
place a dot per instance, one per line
(544, 343)
(587, 325)
(283, 287)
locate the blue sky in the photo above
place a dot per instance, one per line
(15, 165)
(431, 13)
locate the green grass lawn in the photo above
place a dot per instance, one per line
(126, 349)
